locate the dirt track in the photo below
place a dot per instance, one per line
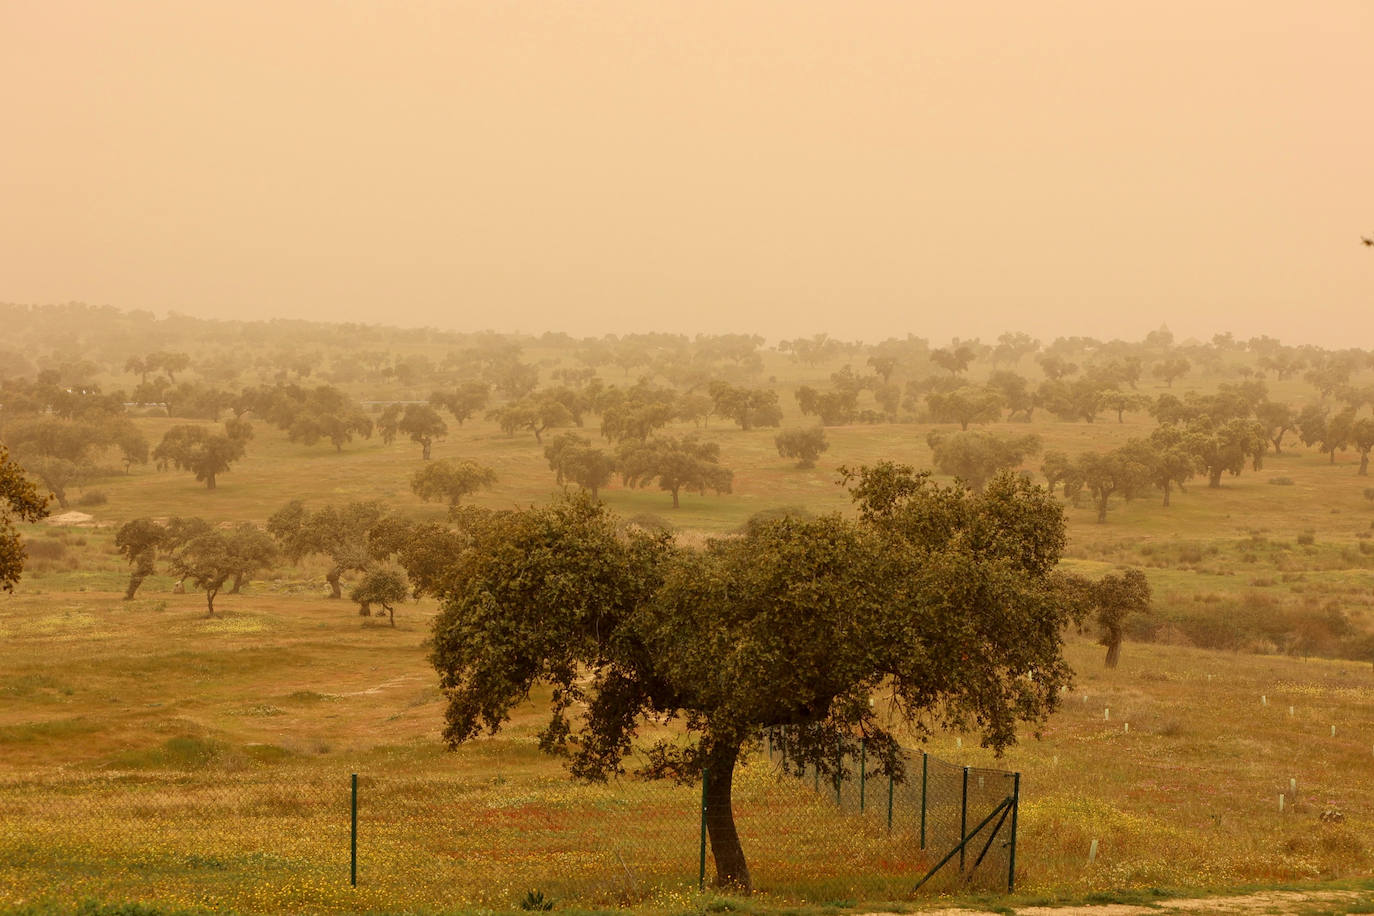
(1267, 903)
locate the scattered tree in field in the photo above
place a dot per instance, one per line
(1171, 369)
(464, 401)
(56, 450)
(196, 449)
(1118, 597)
(965, 405)
(1058, 469)
(1174, 460)
(749, 407)
(208, 561)
(953, 360)
(938, 596)
(675, 462)
(420, 422)
(1222, 449)
(805, 444)
(449, 481)
(343, 534)
(384, 587)
(974, 457)
(252, 548)
(1312, 423)
(1122, 401)
(138, 541)
(1055, 366)
(834, 408)
(1277, 419)
(637, 412)
(1362, 437)
(573, 459)
(19, 499)
(1081, 399)
(1012, 347)
(535, 412)
(1015, 393)
(1120, 472)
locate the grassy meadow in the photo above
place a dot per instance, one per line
(150, 754)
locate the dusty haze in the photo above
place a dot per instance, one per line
(863, 168)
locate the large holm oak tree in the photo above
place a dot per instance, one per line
(20, 499)
(938, 597)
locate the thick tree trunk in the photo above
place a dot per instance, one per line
(238, 584)
(1114, 654)
(1102, 507)
(732, 872)
(1214, 480)
(1167, 490)
(424, 449)
(210, 602)
(210, 482)
(135, 581)
(332, 577)
(675, 497)
(1364, 464)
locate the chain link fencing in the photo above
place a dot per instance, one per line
(274, 838)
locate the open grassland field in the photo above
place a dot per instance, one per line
(148, 753)
(152, 754)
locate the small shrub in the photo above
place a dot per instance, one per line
(1307, 538)
(535, 901)
(1281, 481)
(1369, 493)
(92, 498)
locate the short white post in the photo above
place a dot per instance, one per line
(1126, 728)
(1092, 852)
(1290, 712)
(1280, 802)
(1333, 731)
(1264, 700)
(1107, 714)
(959, 743)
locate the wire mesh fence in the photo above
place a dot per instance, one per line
(932, 813)
(274, 838)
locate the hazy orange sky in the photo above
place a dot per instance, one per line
(864, 168)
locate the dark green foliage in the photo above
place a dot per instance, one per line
(19, 499)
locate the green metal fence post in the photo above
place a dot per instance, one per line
(839, 772)
(353, 844)
(963, 818)
(925, 763)
(701, 872)
(1015, 807)
(889, 801)
(863, 771)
